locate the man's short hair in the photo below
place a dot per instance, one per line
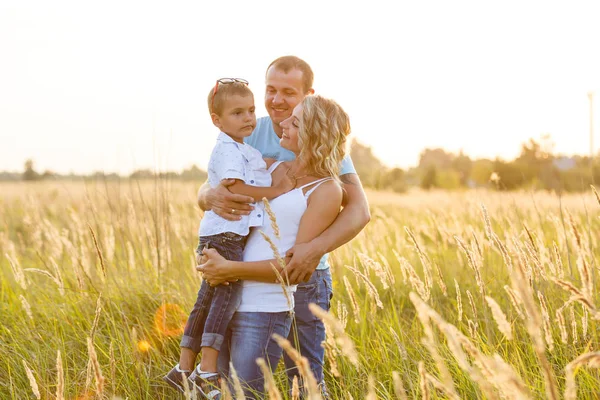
(216, 101)
(287, 63)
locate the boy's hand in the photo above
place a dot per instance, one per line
(228, 205)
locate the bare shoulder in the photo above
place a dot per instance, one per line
(350, 179)
(329, 192)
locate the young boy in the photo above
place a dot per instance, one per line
(231, 107)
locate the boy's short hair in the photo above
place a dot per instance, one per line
(287, 63)
(216, 101)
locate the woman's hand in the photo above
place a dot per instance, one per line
(215, 268)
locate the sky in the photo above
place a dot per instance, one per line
(116, 86)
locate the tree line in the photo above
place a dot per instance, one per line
(536, 167)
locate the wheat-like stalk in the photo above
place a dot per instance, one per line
(591, 359)
(237, 385)
(32, 382)
(270, 385)
(96, 368)
(500, 318)
(459, 307)
(60, 378)
(399, 390)
(272, 218)
(346, 345)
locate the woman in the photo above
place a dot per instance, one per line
(316, 132)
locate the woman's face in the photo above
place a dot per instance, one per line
(290, 127)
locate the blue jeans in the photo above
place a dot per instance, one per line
(249, 337)
(308, 332)
(207, 324)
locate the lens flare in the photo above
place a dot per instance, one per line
(170, 320)
(143, 346)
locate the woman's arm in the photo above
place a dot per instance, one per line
(323, 207)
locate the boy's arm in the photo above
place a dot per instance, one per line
(284, 185)
(350, 221)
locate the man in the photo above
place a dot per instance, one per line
(288, 81)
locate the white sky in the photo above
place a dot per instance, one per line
(120, 85)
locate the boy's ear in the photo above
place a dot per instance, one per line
(216, 120)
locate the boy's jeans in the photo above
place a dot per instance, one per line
(207, 324)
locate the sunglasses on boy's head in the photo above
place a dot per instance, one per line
(225, 81)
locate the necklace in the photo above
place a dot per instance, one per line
(292, 175)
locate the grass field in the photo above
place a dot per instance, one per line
(443, 295)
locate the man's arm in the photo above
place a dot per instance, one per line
(225, 204)
(350, 221)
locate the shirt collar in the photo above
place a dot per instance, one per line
(223, 137)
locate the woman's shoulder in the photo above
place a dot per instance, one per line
(329, 190)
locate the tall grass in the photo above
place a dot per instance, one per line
(443, 295)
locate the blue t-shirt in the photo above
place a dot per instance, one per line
(265, 140)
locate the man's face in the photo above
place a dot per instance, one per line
(238, 119)
(283, 93)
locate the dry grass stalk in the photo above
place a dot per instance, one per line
(414, 279)
(441, 387)
(388, 270)
(546, 325)
(472, 304)
(472, 263)
(344, 342)
(371, 394)
(96, 317)
(487, 223)
(459, 307)
(562, 326)
(399, 390)
(98, 251)
(505, 256)
(376, 267)
(584, 323)
(355, 306)
(575, 231)
(575, 336)
(586, 276)
(423, 258)
(237, 385)
(186, 387)
(295, 388)
(273, 246)
(515, 300)
(560, 270)
(225, 393)
(17, 272)
(595, 193)
(60, 378)
(96, 368)
(402, 269)
(371, 289)
(500, 318)
(423, 381)
(456, 340)
(26, 306)
(399, 345)
(310, 384)
(60, 285)
(113, 366)
(32, 382)
(270, 385)
(533, 323)
(441, 283)
(342, 313)
(533, 255)
(272, 218)
(591, 359)
(568, 286)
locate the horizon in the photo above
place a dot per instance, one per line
(120, 87)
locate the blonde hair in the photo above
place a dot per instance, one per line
(322, 134)
(216, 101)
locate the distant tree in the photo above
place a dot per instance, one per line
(368, 166)
(462, 164)
(29, 174)
(194, 174)
(438, 158)
(429, 178)
(393, 179)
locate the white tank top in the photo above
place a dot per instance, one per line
(288, 209)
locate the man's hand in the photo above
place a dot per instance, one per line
(225, 204)
(214, 268)
(304, 259)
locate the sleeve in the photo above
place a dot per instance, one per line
(229, 163)
(347, 167)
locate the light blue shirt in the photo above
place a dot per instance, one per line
(265, 140)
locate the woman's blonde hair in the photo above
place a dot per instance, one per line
(322, 134)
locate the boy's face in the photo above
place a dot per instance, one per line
(237, 119)
(284, 91)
